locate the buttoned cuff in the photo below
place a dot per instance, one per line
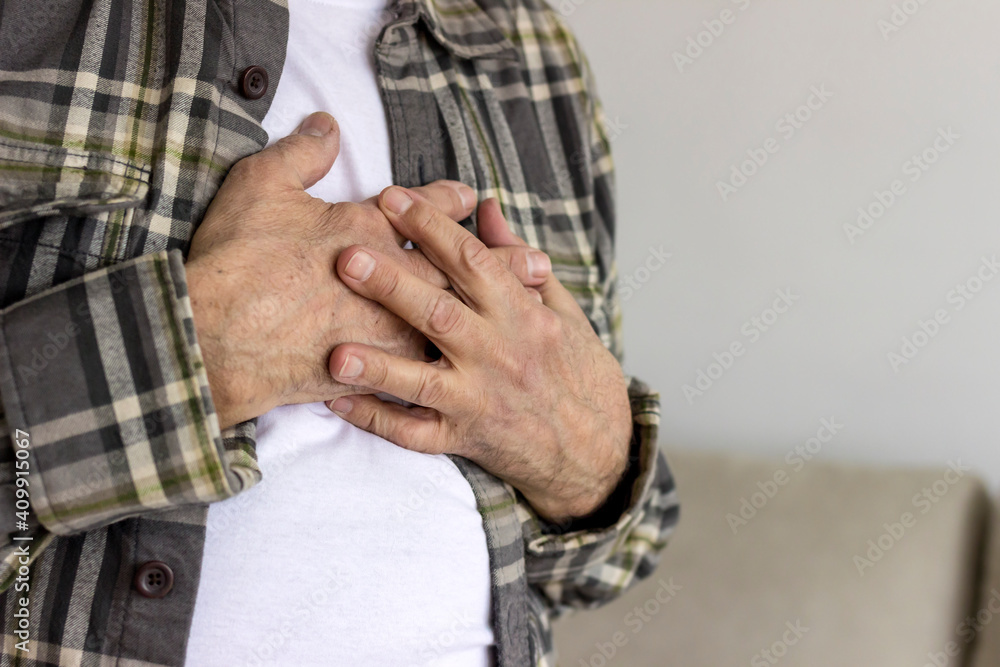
(549, 543)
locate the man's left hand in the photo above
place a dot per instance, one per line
(524, 388)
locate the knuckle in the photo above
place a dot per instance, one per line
(338, 219)
(441, 192)
(348, 211)
(418, 264)
(477, 403)
(454, 199)
(513, 365)
(370, 421)
(517, 261)
(473, 255)
(422, 217)
(373, 217)
(546, 323)
(445, 315)
(376, 373)
(246, 169)
(384, 281)
(430, 389)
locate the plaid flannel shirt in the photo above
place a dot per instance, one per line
(118, 121)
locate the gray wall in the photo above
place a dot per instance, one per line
(857, 292)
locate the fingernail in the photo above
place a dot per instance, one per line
(539, 265)
(467, 194)
(317, 125)
(397, 200)
(352, 367)
(341, 406)
(360, 266)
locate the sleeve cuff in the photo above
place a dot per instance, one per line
(624, 507)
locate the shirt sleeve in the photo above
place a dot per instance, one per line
(573, 567)
(102, 383)
(584, 564)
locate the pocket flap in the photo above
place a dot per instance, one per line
(38, 180)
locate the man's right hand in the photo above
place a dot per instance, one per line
(268, 305)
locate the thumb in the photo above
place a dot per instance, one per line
(302, 158)
(492, 226)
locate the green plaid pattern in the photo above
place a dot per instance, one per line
(118, 121)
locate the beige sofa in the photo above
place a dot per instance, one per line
(823, 565)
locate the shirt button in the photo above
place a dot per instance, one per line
(153, 579)
(253, 82)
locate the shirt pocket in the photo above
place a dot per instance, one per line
(39, 181)
(63, 212)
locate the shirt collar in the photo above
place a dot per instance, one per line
(462, 27)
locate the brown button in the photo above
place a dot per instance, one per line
(253, 82)
(153, 579)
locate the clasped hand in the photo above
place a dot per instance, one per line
(297, 300)
(524, 388)
(268, 305)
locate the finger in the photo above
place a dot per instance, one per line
(439, 315)
(558, 298)
(530, 266)
(430, 385)
(494, 231)
(414, 261)
(456, 200)
(492, 227)
(418, 429)
(478, 276)
(301, 159)
(533, 270)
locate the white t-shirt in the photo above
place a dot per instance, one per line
(351, 551)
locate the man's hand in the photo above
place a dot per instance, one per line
(525, 389)
(268, 306)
